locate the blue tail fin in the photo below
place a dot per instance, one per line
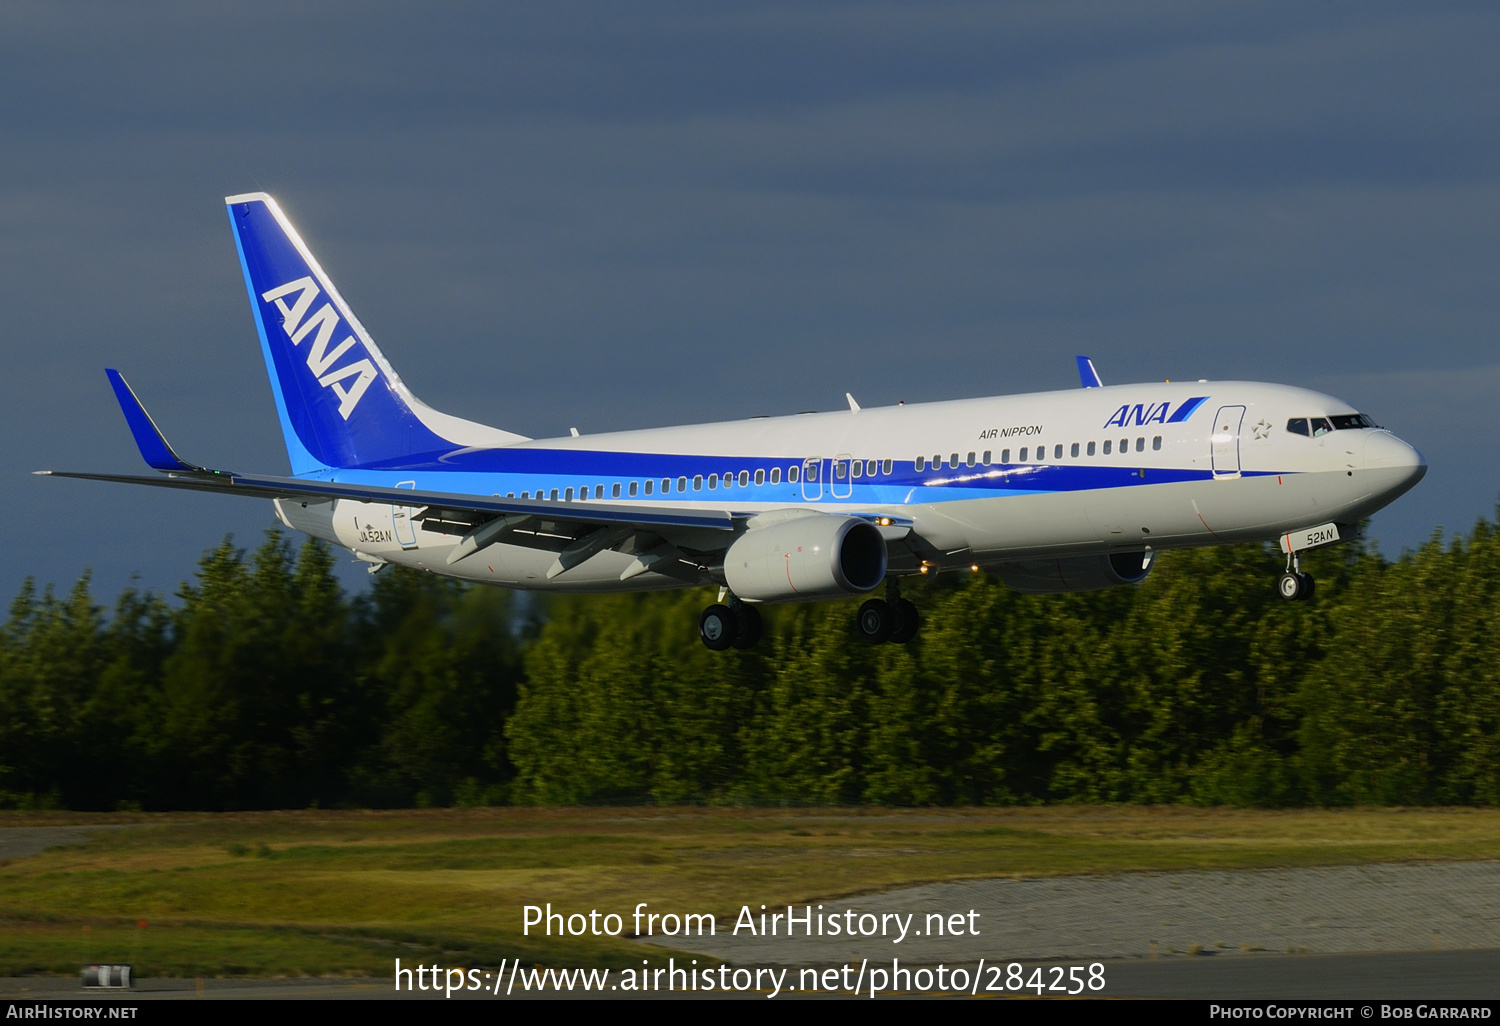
(340, 403)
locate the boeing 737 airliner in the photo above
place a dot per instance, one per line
(1053, 492)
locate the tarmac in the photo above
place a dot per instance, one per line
(1390, 931)
(1332, 910)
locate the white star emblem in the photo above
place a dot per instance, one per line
(1263, 429)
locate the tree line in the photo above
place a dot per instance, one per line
(267, 686)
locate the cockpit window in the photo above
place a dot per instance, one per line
(1316, 426)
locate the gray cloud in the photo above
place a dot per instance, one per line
(617, 216)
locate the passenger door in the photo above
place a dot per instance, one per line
(1226, 442)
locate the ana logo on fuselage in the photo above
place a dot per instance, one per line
(1142, 414)
(298, 326)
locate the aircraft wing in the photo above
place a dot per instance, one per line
(268, 487)
(158, 454)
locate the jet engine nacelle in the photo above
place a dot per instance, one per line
(806, 557)
(1076, 573)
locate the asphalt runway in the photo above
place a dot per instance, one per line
(1328, 910)
(19, 842)
(1391, 931)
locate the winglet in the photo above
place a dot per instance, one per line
(1087, 374)
(154, 448)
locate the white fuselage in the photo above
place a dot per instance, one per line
(980, 481)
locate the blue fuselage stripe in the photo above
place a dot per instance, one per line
(538, 471)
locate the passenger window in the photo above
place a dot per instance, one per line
(1057, 452)
(510, 495)
(1004, 456)
(953, 461)
(871, 467)
(682, 483)
(554, 495)
(1091, 448)
(713, 481)
(1041, 453)
(1075, 450)
(697, 482)
(1140, 444)
(568, 495)
(1024, 451)
(1320, 427)
(793, 474)
(760, 477)
(745, 477)
(921, 463)
(887, 467)
(1156, 444)
(840, 469)
(632, 489)
(666, 486)
(971, 459)
(598, 491)
(858, 469)
(1124, 446)
(649, 485)
(1297, 426)
(525, 495)
(1107, 444)
(615, 491)
(776, 475)
(986, 459)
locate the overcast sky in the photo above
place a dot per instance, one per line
(626, 215)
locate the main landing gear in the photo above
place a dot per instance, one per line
(737, 625)
(733, 626)
(892, 618)
(1294, 585)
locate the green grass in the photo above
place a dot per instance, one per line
(345, 893)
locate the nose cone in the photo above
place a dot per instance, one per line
(1398, 466)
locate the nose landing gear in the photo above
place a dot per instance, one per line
(1294, 585)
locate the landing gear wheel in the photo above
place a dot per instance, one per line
(875, 621)
(747, 626)
(907, 621)
(717, 627)
(1295, 586)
